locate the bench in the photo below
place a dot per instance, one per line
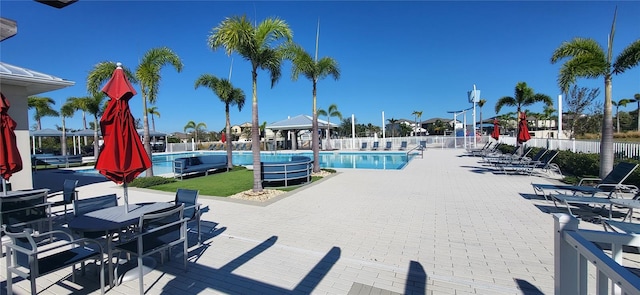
(198, 164)
(53, 160)
(296, 171)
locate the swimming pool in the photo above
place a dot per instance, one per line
(163, 164)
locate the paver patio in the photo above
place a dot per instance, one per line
(444, 224)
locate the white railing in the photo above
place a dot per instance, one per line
(574, 249)
(622, 150)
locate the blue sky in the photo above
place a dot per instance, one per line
(396, 57)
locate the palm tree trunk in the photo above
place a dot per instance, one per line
(617, 120)
(255, 136)
(63, 142)
(606, 142)
(146, 140)
(228, 130)
(96, 146)
(315, 136)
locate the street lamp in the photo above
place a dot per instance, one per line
(474, 97)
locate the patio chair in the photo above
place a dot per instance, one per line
(611, 184)
(189, 198)
(529, 167)
(403, 146)
(364, 146)
(68, 193)
(423, 145)
(388, 146)
(157, 232)
(375, 146)
(30, 259)
(84, 206)
(27, 211)
(496, 157)
(484, 147)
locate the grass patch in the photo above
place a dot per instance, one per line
(222, 184)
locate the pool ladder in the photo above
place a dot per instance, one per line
(419, 148)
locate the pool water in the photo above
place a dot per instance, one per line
(163, 164)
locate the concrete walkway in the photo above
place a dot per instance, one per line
(444, 224)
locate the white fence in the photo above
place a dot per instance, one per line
(622, 150)
(574, 250)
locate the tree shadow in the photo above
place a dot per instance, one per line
(527, 288)
(224, 280)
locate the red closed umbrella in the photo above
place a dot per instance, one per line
(10, 160)
(495, 134)
(122, 156)
(523, 130)
(223, 138)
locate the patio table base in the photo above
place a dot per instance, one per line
(131, 272)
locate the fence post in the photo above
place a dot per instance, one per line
(565, 256)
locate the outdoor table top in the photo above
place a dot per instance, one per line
(114, 218)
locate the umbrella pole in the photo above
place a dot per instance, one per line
(126, 197)
(4, 187)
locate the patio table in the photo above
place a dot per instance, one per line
(112, 220)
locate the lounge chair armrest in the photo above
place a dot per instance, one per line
(588, 179)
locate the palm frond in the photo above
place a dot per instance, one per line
(628, 58)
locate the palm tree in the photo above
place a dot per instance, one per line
(620, 103)
(481, 103)
(393, 123)
(191, 125)
(79, 105)
(312, 69)
(237, 34)
(147, 74)
(418, 115)
(524, 96)
(636, 98)
(229, 96)
(587, 59)
(42, 106)
(95, 105)
(332, 111)
(153, 111)
(66, 111)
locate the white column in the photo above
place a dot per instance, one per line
(560, 134)
(353, 131)
(383, 126)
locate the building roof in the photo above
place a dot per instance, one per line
(34, 82)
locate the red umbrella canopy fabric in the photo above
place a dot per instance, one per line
(223, 138)
(523, 130)
(122, 157)
(10, 160)
(495, 134)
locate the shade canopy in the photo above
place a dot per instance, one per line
(10, 160)
(299, 122)
(47, 132)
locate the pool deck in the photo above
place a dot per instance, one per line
(444, 224)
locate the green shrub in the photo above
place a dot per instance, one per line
(150, 181)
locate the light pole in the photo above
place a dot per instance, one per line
(474, 97)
